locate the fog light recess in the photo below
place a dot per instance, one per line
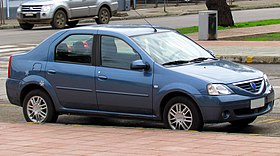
(226, 115)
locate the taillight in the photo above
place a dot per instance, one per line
(9, 66)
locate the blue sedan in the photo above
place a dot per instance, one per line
(135, 71)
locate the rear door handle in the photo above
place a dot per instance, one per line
(102, 77)
(51, 72)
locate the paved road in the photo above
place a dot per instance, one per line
(12, 36)
(266, 125)
(192, 20)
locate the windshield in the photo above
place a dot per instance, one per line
(170, 46)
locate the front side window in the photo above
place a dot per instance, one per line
(116, 53)
(170, 46)
(75, 49)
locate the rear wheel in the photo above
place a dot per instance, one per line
(59, 20)
(181, 113)
(26, 26)
(38, 107)
(244, 122)
(72, 23)
(104, 16)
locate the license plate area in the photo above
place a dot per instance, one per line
(257, 103)
(29, 15)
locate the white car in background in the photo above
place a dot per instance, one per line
(58, 13)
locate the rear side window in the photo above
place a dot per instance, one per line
(75, 49)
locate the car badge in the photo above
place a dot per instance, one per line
(253, 86)
(31, 8)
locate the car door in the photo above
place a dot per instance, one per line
(72, 72)
(93, 9)
(118, 88)
(79, 8)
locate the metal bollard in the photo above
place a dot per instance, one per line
(2, 18)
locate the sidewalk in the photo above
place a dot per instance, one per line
(56, 139)
(245, 51)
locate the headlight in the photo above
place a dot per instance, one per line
(267, 83)
(46, 8)
(218, 89)
(19, 8)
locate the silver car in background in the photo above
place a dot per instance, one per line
(58, 13)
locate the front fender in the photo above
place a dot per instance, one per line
(160, 94)
(44, 84)
(63, 7)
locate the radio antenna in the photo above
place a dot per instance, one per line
(155, 30)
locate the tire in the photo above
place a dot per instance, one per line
(179, 108)
(104, 16)
(41, 110)
(26, 26)
(59, 20)
(244, 122)
(72, 23)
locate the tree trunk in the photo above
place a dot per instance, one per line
(224, 12)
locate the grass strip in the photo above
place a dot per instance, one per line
(193, 29)
(262, 37)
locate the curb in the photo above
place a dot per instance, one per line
(251, 59)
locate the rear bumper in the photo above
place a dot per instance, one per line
(12, 89)
(238, 107)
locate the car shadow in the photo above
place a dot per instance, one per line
(134, 123)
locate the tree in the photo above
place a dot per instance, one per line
(224, 12)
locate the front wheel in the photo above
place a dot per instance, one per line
(103, 16)
(38, 107)
(26, 26)
(59, 20)
(181, 113)
(243, 122)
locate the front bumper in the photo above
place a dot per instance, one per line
(34, 17)
(236, 107)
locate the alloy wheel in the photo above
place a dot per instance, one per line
(37, 109)
(180, 117)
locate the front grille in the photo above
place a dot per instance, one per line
(253, 86)
(31, 8)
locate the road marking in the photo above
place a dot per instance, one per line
(276, 87)
(7, 105)
(264, 121)
(15, 49)
(275, 121)
(7, 46)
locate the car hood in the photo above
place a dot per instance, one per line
(39, 2)
(219, 71)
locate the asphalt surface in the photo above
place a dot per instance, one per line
(11, 36)
(267, 125)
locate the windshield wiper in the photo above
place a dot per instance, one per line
(177, 62)
(200, 59)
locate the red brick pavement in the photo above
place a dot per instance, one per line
(57, 139)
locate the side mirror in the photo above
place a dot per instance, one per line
(139, 65)
(211, 52)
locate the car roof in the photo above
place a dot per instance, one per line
(128, 30)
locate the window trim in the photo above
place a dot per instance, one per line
(99, 56)
(93, 50)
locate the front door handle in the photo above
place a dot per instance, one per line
(102, 77)
(51, 71)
